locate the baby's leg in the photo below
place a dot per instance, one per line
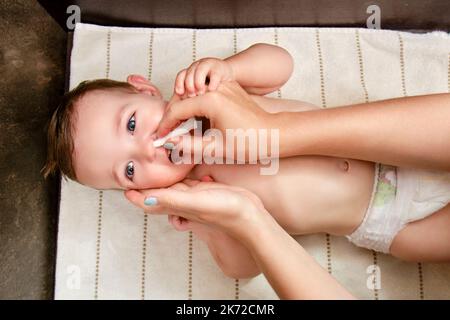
(231, 256)
(425, 240)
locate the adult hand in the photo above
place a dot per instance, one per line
(228, 107)
(241, 214)
(234, 210)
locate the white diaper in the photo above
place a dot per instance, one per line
(399, 196)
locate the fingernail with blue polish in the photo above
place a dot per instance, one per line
(168, 145)
(151, 201)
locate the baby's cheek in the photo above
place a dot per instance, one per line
(181, 172)
(165, 176)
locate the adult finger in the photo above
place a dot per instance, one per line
(197, 185)
(137, 197)
(153, 201)
(182, 110)
(189, 149)
(173, 99)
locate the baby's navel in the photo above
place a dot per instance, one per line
(344, 165)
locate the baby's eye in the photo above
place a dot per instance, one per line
(129, 172)
(131, 123)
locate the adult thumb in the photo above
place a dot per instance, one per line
(186, 204)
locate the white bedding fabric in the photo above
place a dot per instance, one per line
(107, 249)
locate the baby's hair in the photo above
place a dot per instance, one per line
(60, 130)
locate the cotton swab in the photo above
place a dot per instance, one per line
(182, 129)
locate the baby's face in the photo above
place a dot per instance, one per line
(113, 142)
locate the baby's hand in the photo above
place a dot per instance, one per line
(206, 73)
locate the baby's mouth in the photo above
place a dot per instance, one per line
(169, 155)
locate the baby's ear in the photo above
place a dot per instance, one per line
(143, 85)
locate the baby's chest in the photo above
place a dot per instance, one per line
(279, 193)
(246, 176)
(271, 189)
(303, 189)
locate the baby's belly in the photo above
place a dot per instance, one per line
(308, 194)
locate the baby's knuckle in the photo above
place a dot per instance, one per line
(199, 80)
(189, 85)
(194, 65)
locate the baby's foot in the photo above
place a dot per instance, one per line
(180, 223)
(201, 231)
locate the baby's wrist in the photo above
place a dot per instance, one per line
(234, 76)
(232, 71)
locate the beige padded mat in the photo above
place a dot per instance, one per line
(107, 249)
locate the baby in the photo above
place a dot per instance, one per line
(102, 136)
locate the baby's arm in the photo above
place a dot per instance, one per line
(261, 68)
(232, 257)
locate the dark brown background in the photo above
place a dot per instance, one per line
(395, 14)
(33, 68)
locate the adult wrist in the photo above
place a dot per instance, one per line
(282, 122)
(257, 224)
(295, 132)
